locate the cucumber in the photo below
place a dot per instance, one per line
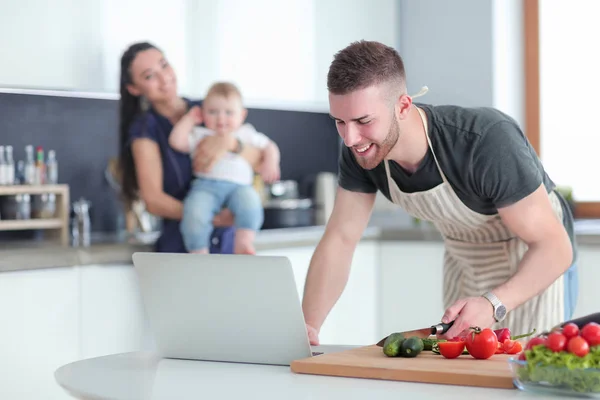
(428, 343)
(411, 347)
(391, 346)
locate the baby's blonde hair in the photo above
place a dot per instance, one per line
(225, 89)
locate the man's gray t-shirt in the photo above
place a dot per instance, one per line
(485, 156)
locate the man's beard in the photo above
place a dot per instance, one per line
(381, 149)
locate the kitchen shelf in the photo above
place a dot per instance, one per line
(22, 224)
(57, 227)
(33, 189)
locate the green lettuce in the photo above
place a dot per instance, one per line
(562, 369)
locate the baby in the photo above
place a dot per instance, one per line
(229, 183)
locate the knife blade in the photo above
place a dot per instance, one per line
(423, 333)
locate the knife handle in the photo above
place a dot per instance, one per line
(441, 328)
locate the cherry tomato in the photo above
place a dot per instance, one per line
(481, 343)
(556, 342)
(451, 349)
(535, 341)
(522, 356)
(570, 330)
(512, 346)
(578, 346)
(591, 333)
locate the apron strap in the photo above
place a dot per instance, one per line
(425, 125)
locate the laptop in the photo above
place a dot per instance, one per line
(223, 307)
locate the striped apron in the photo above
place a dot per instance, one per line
(480, 251)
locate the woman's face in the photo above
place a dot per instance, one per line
(152, 77)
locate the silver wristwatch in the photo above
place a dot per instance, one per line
(499, 308)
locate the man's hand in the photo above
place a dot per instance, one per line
(210, 150)
(466, 313)
(313, 335)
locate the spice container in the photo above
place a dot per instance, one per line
(43, 205)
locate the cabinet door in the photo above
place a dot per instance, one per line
(588, 301)
(411, 285)
(40, 331)
(353, 320)
(112, 314)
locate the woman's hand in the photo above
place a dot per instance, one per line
(224, 218)
(210, 150)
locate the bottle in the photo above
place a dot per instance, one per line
(52, 168)
(2, 167)
(40, 166)
(20, 173)
(80, 223)
(9, 166)
(29, 166)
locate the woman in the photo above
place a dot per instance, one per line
(150, 168)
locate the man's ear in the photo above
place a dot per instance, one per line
(133, 90)
(403, 106)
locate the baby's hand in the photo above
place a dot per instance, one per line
(270, 171)
(195, 113)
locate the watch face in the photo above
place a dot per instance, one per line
(500, 312)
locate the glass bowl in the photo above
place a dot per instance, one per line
(556, 380)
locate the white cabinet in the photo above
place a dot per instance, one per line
(40, 331)
(353, 319)
(410, 285)
(112, 314)
(588, 264)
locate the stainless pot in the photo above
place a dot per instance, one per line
(288, 213)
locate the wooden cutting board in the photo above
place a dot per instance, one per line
(370, 362)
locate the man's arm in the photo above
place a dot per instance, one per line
(549, 254)
(330, 264)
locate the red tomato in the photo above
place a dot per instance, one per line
(512, 346)
(481, 343)
(570, 330)
(451, 349)
(522, 356)
(556, 342)
(591, 333)
(578, 346)
(535, 341)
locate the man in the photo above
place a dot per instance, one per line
(508, 234)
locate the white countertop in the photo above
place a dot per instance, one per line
(143, 375)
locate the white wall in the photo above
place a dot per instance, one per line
(468, 52)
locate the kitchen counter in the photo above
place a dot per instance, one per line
(143, 375)
(113, 249)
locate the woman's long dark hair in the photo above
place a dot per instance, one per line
(129, 108)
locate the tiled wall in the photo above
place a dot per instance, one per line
(84, 134)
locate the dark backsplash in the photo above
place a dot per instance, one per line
(84, 134)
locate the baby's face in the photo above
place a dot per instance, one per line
(223, 115)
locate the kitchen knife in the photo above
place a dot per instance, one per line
(423, 333)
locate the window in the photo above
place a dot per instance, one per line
(562, 86)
